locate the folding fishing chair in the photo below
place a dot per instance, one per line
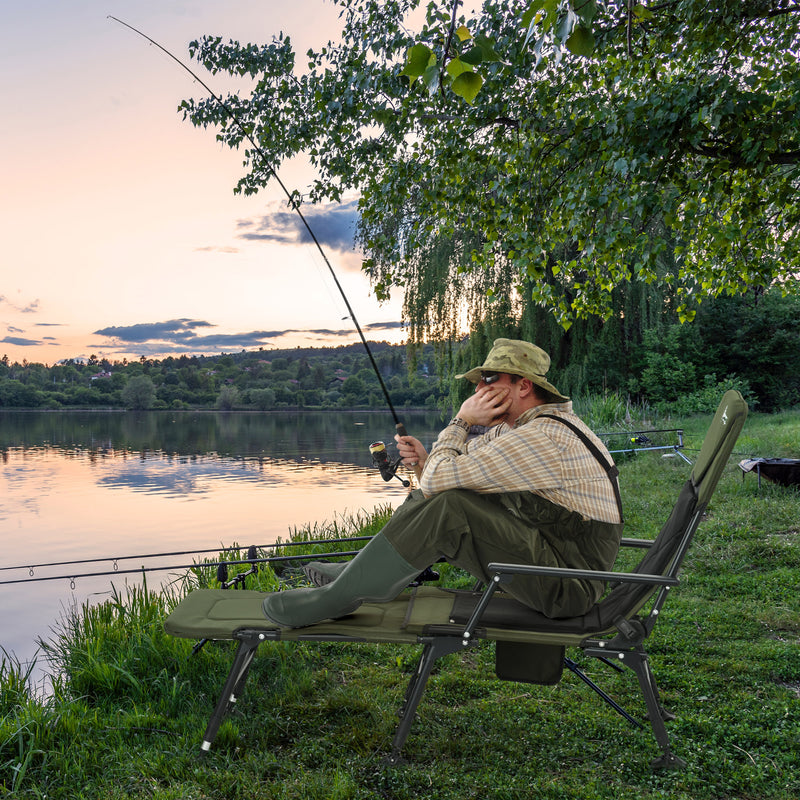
(528, 646)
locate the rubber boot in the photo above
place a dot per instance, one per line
(378, 573)
(321, 573)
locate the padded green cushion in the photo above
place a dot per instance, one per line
(216, 614)
(219, 613)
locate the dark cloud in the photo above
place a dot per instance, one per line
(19, 341)
(334, 226)
(372, 327)
(31, 308)
(171, 330)
(24, 341)
(182, 336)
(383, 326)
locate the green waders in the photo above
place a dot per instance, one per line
(471, 530)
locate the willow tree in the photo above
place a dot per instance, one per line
(544, 154)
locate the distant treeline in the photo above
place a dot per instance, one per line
(330, 377)
(750, 342)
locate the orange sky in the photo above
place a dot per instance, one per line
(120, 234)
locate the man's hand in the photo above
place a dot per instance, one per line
(488, 406)
(411, 451)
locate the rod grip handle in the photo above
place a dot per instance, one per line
(401, 431)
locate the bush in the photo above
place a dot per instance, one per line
(706, 399)
(227, 398)
(139, 393)
(262, 399)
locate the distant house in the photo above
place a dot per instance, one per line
(101, 374)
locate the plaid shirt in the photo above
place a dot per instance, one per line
(536, 455)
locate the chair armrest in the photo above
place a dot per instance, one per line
(499, 569)
(501, 573)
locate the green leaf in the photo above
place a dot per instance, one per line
(431, 77)
(585, 9)
(456, 66)
(463, 33)
(473, 56)
(642, 12)
(418, 59)
(467, 85)
(530, 12)
(486, 44)
(580, 42)
(550, 20)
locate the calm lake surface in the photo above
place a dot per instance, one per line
(106, 485)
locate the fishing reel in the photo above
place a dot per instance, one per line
(387, 468)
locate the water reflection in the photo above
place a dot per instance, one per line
(334, 436)
(77, 485)
(163, 474)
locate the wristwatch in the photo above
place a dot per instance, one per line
(462, 423)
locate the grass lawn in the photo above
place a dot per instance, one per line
(128, 710)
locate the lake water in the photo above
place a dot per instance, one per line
(106, 485)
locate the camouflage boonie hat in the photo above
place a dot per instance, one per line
(517, 357)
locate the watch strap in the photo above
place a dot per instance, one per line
(461, 423)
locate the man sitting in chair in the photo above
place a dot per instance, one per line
(538, 487)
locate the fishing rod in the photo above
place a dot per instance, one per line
(163, 568)
(221, 566)
(399, 427)
(115, 559)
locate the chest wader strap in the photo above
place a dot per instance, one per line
(610, 469)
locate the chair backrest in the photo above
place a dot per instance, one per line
(669, 548)
(718, 444)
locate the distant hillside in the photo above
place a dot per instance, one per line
(303, 377)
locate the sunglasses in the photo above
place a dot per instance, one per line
(490, 377)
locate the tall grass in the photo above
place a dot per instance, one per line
(611, 410)
(20, 718)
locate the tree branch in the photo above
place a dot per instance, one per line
(448, 43)
(734, 155)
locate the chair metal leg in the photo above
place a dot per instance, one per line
(637, 660)
(435, 648)
(233, 685)
(576, 670)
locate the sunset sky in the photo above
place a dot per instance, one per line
(120, 232)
